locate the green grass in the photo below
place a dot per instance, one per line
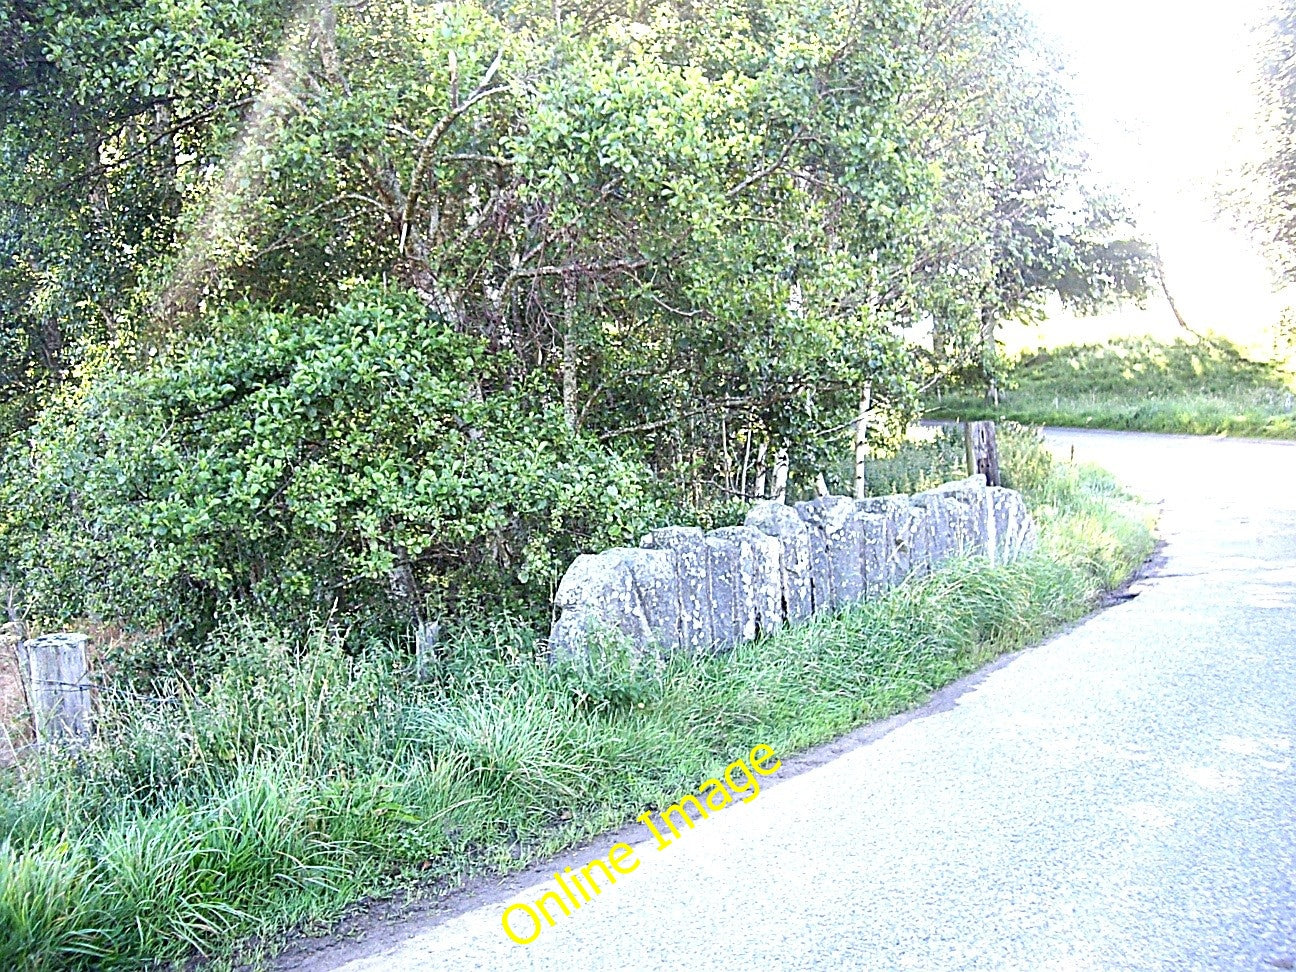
(939, 457)
(301, 778)
(1202, 388)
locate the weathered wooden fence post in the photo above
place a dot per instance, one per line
(982, 451)
(58, 686)
(427, 641)
(781, 463)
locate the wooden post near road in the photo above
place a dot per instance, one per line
(982, 451)
(427, 645)
(58, 687)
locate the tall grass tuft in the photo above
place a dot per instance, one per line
(50, 911)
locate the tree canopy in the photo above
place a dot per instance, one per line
(696, 232)
(1265, 197)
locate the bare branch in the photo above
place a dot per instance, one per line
(476, 157)
(769, 169)
(662, 423)
(424, 160)
(675, 310)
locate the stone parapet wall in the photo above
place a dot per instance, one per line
(685, 589)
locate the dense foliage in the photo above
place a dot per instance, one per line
(600, 252)
(301, 465)
(1266, 195)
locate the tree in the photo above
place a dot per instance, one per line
(108, 117)
(622, 203)
(620, 195)
(1013, 220)
(1263, 194)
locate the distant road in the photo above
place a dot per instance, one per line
(1120, 798)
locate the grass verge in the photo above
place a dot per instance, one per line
(1202, 388)
(301, 779)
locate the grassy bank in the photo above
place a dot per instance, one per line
(1199, 388)
(300, 779)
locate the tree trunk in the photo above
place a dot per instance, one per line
(761, 455)
(746, 463)
(1165, 289)
(861, 442)
(987, 337)
(569, 364)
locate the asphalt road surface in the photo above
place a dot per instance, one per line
(1120, 798)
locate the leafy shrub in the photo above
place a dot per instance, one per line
(611, 675)
(369, 460)
(1024, 461)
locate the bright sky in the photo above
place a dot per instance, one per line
(1163, 90)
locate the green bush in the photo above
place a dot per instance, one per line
(1025, 463)
(611, 675)
(367, 460)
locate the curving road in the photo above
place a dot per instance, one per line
(1120, 798)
